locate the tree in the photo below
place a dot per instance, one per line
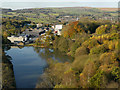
(102, 29)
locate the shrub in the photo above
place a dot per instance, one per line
(79, 62)
(37, 42)
(90, 43)
(102, 29)
(116, 73)
(114, 36)
(113, 84)
(114, 29)
(109, 58)
(98, 80)
(63, 44)
(73, 48)
(88, 72)
(56, 41)
(5, 40)
(8, 80)
(81, 51)
(99, 49)
(111, 45)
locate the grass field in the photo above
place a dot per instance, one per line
(50, 15)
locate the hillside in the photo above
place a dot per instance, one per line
(109, 9)
(61, 15)
(95, 48)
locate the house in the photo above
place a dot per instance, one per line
(58, 29)
(77, 19)
(14, 39)
(38, 25)
(66, 16)
(53, 27)
(28, 24)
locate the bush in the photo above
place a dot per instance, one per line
(81, 51)
(73, 48)
(5, 40)
(102, 29)
(56, 41)
(113, 84)
(37, 42)
(109, 59)
(99, 49)
(114, 36)
(79, 62)
(90, 43)
(8, 79)
(116, 73)
(63, 44)
(98, 80)
(88, 72)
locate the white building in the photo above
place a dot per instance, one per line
(39, 25)
(17, 39)
(28, 24)
(77, 19)
(58, 29)
(67, 16)
(53, 27)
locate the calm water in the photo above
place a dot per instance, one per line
(29, 63)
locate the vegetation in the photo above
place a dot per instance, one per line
(15, 26)
(45, 40)
(61, 15)
(8, 80)
(96, 55)
(92, 41)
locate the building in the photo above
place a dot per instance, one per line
(38, 25)
(28, 24)
(58, 29)
(77, 19)
(66, 16)
(17, 39)
(53, 27)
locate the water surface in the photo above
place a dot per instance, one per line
(29, 63)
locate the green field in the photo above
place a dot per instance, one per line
(51, 15)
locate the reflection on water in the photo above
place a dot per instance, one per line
(46, 53)
(29, 63)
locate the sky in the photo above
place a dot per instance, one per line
(22, 4)
(60, 0)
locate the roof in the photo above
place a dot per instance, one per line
(58, 26)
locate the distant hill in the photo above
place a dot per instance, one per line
(109, 9)
(58, 15)
(6, 10)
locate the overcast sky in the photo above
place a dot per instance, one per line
(60, 0)
(22, 4)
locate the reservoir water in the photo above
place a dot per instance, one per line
(29, 63)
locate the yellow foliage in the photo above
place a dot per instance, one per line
(116, 45)
(105, 41)
(5, 34)
(106, 68)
